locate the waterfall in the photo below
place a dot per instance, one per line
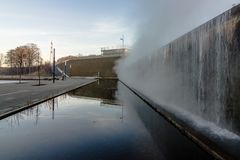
(198, 72)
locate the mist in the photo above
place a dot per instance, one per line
(159, 23)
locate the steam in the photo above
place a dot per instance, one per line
(160, 22)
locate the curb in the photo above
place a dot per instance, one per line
(14, 111)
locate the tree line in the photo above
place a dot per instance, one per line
(23, 56)
(26, 56)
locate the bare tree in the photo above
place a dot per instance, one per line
(33, 52)
(20, 59)
(10, 59)
(1, 59)
(39, 61)
(24, 56)
(47, 68)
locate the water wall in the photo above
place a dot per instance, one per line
(198, 73)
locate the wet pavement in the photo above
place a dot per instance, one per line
(14, 95)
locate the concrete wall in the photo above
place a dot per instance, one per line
(199, 72)
(209, 60)
(104, 65)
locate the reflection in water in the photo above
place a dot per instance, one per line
(82, 129)
(10, 82)
(15, 119)
(104, 123)
(53, 103)
(166, 136)
(102, 89)
(105, 90)
(168, 139)
(35, 112)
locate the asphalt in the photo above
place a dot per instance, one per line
(15, 96)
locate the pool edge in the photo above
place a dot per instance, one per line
(19, 109)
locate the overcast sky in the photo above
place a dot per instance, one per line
(74, 26)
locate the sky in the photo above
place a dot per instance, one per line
(162, 21)
(74, 26)
(85, 26)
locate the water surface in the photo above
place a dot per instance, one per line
(9, 81)
(103, 120)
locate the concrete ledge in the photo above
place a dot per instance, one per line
(186, 131)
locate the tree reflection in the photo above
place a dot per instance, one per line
(34, 113)
(102, 89)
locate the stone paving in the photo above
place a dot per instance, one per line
(14, 95)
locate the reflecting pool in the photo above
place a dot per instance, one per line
(10, 81)
(103, 120)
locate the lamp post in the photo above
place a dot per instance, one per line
(54, 65)
(70, 69)
(122, 39)
(65, 70)
(39, 63)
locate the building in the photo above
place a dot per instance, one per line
(115, 51)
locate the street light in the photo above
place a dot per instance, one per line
(53, 65)
(122, 39)
(70, 68)
(65, 70)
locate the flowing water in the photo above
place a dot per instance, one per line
(196, 77)
(11, 81)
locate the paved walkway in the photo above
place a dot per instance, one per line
(14, 96)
